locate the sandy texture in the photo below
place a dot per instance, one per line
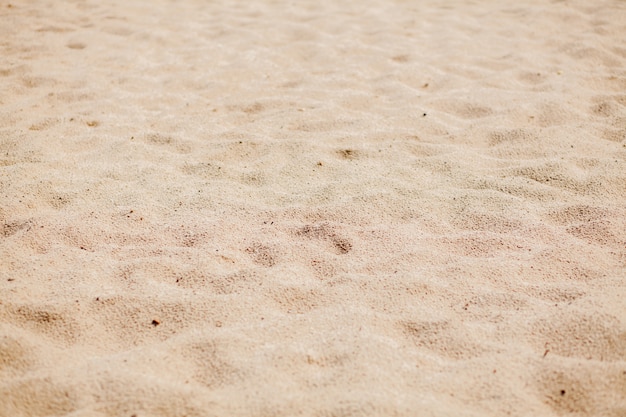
(317, 208)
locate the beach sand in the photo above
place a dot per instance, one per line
(315, 208)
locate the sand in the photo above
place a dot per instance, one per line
(316, 208)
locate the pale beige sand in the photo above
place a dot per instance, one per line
(324, 208)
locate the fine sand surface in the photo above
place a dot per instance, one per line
(312, 207)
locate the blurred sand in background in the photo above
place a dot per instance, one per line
(317, 208)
